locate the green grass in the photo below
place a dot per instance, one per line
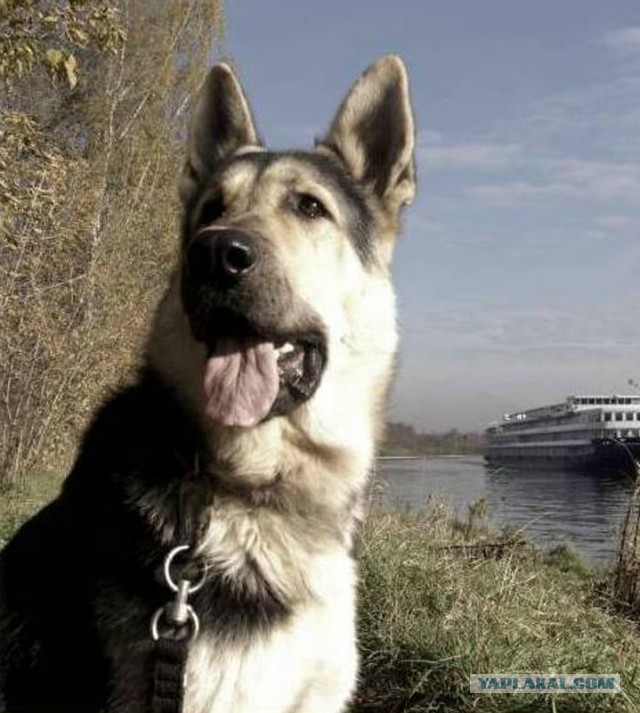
(430, 614)
(18, 502)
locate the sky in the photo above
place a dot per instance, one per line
(518, 270)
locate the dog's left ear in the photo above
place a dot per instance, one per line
(221, 123)
(373, 133)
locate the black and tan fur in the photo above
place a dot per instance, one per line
(275, 504)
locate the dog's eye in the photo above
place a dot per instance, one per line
(212, 210)
(310, 206)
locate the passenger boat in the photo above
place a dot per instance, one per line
(583, 432)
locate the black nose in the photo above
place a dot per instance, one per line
(236, 253)
(230, 254)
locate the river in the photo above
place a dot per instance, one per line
(551, 507)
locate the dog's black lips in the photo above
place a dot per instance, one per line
(300, 371)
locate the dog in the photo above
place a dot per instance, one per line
(233, 469)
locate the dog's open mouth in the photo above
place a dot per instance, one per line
(249, 377)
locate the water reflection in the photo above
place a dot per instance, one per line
(551, 507)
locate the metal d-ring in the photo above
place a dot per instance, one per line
(167, 571)
(191, 617)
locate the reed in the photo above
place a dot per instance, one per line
(626, 593)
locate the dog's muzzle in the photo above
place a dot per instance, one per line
(259, 363)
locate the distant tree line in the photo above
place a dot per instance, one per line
(403, 439)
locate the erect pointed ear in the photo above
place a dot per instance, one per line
(221, 123)
(373, 133)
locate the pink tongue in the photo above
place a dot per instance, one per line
(241, 382)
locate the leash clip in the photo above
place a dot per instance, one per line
(177, 613)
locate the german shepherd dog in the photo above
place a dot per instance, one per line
(233, 469)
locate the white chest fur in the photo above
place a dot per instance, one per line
(307, 664)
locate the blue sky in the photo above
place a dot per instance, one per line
(518, 270)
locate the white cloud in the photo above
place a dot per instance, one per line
(576, 179)
(514, 192)
(603, 180)
(624, 40)
(546, 332)
(618, 222)
(478, 156)
(603, 114)
(427, 137)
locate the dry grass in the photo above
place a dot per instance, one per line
(431, 614)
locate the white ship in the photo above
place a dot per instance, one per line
(582, 432)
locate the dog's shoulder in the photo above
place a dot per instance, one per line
(138, 441)
(27, 558)
(44, 621)
(144, 416)
(128, 439)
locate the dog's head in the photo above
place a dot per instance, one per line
(283, 293)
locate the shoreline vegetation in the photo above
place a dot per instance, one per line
(402, 439)
(442, 598)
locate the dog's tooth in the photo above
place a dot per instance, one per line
(286, 348)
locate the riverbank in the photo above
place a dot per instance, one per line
(440, 599)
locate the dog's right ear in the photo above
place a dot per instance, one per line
(221, 123)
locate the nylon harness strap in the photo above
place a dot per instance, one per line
(171, 645)
(167, 683)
